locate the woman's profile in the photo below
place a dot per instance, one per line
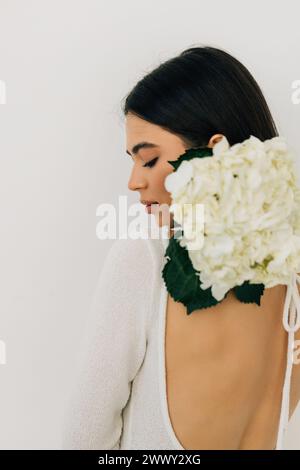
(151, 377)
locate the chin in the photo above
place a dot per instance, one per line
(163, 216)
(169, 221)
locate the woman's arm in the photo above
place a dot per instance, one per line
(113, 348)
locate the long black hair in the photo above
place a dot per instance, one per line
(201, 92)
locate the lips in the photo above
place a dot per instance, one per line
(148, 203)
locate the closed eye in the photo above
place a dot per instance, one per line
(151, 163)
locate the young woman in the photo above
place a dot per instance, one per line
(151, 376)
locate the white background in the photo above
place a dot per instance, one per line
(67, 65)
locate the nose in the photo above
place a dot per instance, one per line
(136, 180)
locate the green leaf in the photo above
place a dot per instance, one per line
(183, 284)
(249, 293)
(189, 154)
(182, 280)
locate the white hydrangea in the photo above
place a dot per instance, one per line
(251, 203)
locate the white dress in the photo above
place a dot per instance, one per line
(118, 398)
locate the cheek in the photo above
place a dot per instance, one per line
(165, 196)
(162, 176)
(166, 173)
(158, 180)
(161, 183)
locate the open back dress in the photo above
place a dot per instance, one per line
(118, 397)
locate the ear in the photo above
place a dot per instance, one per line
(214, 139)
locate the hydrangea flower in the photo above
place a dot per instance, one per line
(251, 231)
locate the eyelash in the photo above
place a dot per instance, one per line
(151, 163)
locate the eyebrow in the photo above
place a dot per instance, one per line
(141, 145)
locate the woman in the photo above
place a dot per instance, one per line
(152, 377)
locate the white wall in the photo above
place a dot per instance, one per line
(66, 66)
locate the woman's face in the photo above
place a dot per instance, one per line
(150, 163)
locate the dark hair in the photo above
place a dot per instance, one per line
(201, 92)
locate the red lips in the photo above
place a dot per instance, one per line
(148, 203)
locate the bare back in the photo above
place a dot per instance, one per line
(225, 369)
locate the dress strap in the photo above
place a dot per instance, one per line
(291, 322)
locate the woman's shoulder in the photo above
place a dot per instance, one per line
(124, 286)
(136, 254)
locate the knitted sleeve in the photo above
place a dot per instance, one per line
(112, 349)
